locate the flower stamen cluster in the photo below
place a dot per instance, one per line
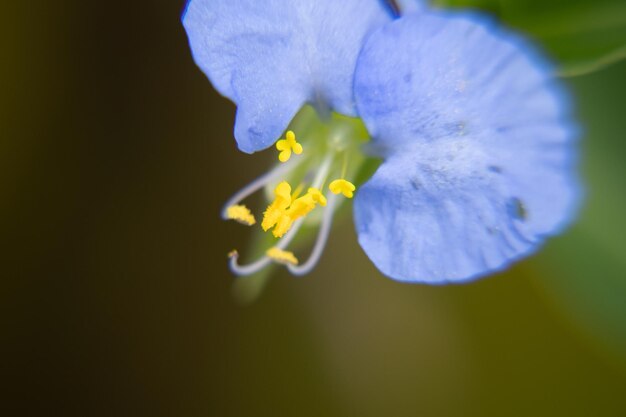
(285, 210)
(290, 208)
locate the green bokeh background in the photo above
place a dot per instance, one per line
(115, 158)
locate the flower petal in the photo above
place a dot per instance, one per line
(401, 7)
(408, 6)
(479, 146)
(270, 57)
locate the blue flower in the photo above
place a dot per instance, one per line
(475, 134)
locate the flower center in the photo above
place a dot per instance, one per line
(328, 150)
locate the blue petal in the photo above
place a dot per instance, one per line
(270, 57)
(409, 6)
(401, 7)
(479, 146)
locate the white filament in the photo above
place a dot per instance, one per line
(320, 242)
(262, 181)
(264, 260)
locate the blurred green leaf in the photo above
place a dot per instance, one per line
(586, 281)
(582, 35)
(587, 266)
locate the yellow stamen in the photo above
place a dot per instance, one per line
(241, 214)
(299, 207)
(288, 145)
(279, 205)
(282, 225)
(342, 186)
(318, 197)
(282, 256)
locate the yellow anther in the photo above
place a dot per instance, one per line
(286, 208)
(241, 214)
(318, 197)
(282, 256)
(283, 224)
(342, 186)
(283, 192)
(299, 207)
(288, 145)
(279, 205)
(233, 253)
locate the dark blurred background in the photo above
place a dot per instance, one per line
(115, 296)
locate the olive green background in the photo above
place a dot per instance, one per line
(115, 296)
